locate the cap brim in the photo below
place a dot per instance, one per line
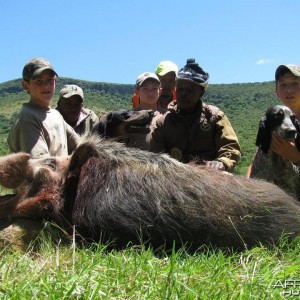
(289, 68)
(203, 84)
(39, 71)
(149, 78)
(164, 72)
(69, 95)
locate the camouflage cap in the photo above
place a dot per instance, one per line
(70, 90)
(35, 67)
(193, 72)
(166, 67)
(282, 69)
(145, 76)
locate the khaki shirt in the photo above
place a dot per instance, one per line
(41, 132)
(202, 136)
(86, 122)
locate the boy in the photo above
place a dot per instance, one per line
(70, 105)
(38, 129)
(287, 78)
(148, 90)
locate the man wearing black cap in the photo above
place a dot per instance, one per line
(38, 129)
(192, 130)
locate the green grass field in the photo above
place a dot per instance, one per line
(60, 271)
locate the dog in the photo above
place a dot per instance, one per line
(126, 196)
(127, 126)
(268, 165)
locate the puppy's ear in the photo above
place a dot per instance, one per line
(263, 137)
(297, 142)
(297, 125)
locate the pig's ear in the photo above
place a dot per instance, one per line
(80, 157)
(14, 168)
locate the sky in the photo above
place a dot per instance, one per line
(235, 41)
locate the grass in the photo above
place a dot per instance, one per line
(66, 271)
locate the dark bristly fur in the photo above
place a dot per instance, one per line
(111, 192)
(268, 165)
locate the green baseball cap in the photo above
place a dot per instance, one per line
(35, 67)
(70, 90)
(282, 69)
(165, 67)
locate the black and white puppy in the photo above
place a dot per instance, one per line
(268, 165)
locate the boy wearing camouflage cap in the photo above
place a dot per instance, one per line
(70, 105)
(38, 129)
(193, 131)
(148, 89)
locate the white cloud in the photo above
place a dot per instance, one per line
(264, 61)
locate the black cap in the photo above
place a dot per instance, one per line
(193, 72)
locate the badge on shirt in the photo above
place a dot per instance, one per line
(176, 153)
(205, 126)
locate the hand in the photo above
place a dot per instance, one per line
(215, 164)
(285, 148)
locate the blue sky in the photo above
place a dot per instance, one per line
(116, 40)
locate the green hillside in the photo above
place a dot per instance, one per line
(244, 104)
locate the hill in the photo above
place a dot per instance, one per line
(244, 104)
